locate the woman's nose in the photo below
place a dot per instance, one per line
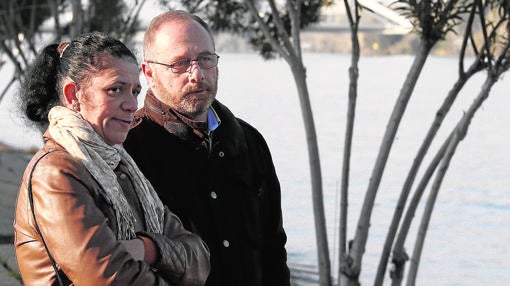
(131, 103)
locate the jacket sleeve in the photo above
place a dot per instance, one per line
(76, 231)
(274, 255)
(184, 257)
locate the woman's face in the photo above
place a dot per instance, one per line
(108, 99)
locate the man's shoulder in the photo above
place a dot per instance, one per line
(145, 130)
(227, 115)
(142, 122)
(250, 131)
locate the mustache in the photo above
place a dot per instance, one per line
(193, 88)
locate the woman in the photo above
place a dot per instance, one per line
(85, 214)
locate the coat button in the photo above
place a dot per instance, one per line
(214, 195)
(226, 243)
(221, 154)
(123, 176)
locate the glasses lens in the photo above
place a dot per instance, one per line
(204, 61)
(207, 61)
(181, 66)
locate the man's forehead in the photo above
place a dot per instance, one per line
(182, 44)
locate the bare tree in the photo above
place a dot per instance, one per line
(289, 47)
(464, 76)
(432, 20)
(25, 25)
(493, 57)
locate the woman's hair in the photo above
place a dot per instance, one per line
(78, 60)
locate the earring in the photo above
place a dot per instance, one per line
(76, 106)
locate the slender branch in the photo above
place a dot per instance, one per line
(295, 20)
(458, 135)
(399, 254)
(130, 22)
(343, 265)
(11, 57)
(487, 41)
(361, 235)
(7, 87)
(450, 150)
(280, 27)
(265, 29)
(467, 36)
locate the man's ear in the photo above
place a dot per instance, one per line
(70, 90)
(147, 71)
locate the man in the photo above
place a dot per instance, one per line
(212, 169)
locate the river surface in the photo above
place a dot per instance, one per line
(468, 236)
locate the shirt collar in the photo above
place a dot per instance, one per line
(213, 120)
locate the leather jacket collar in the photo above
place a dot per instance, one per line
(169, 119)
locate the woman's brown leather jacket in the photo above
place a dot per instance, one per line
(79, 228)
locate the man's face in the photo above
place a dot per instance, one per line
(191, 93)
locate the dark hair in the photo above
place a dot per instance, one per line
(169, 16)
(77, 60)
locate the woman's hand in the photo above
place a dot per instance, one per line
(135, 247)
(141, 248)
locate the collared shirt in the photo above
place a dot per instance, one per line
(213, 120)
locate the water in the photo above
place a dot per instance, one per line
(468, 235)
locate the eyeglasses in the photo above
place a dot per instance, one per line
(207, 61)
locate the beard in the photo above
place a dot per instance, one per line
(185, 101)
(192, 106)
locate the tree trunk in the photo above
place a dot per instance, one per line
(460, 133)
(292, 54)
(78, 26)
(349, 130)
(436, 124)
(361, 235)
(324, 263)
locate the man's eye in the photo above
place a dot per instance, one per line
(205, 59)
(181, 63)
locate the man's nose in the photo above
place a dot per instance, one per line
(195, 71)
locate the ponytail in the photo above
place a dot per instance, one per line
(39, 92)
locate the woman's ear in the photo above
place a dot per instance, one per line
(71, 96)
(70, 92)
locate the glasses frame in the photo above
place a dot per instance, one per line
(171, 66)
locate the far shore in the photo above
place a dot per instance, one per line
(8, 148)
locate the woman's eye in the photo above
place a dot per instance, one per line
(114, 90)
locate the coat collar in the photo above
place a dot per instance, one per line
(229, 133)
